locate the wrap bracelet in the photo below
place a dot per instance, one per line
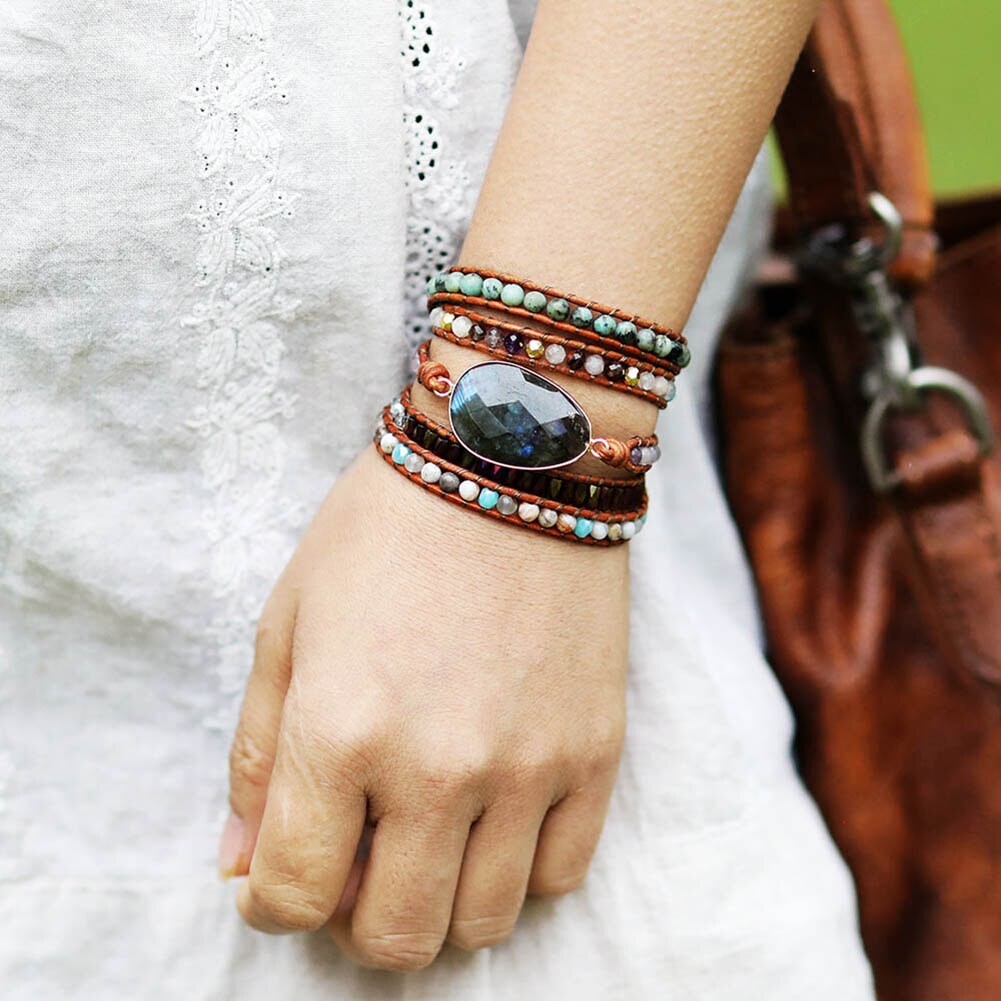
(547, 304)
(619, 494)
(556, 351)
(492, 410)
(487, 497)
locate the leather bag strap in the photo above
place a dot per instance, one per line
(848, 125)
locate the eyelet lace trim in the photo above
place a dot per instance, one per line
(439, 187)
(238, 319)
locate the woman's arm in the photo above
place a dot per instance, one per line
(458, 683)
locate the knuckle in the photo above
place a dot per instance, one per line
(248, 761)
(400, 951)
(481, 932)
(456, 774)
(288, 906)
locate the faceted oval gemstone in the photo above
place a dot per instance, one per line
(511, 416)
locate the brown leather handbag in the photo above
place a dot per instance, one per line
(856, 400)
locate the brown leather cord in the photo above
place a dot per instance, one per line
(445, 432)
(575, 300)
(609, 518)
(527, 333)
(612, 451)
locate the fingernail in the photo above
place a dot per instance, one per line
(231, 846)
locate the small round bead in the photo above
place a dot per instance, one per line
(488, 499)
(447, 319)
(434, 317)
(558, 309)
(397, 411)
(646, 456)
(439, 282)
(576, 361)
(547, 517)
(400, 453)
(471, 285)
(680, 354)
(461, 326)
(556, 354)
(492, 288)
(645, 339)
(413, 463)
(628, 530)
(599, 530)
(528, 512)
(626, 332)
(615, 372)
(535, 348)
(507, 505)
(513, 343)
(430, 472)
(662, 385)
(605, 325)
(581, 317)
(662, 345)
(453, 281)
(646, 380)
(566, 522)
(432, 287)
(494, 338)
(614, 531)
(469, 490)
(478, 332)
(583, 528)
(535, 302)
(594, 364)
(636, 456)
(449, 483)
(672, 392)
(388, 442)
(632, 375)
(512, 295)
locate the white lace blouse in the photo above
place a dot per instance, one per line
(219, 219)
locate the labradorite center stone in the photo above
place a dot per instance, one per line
(508, 415)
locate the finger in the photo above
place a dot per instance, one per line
(402, 910)
(568, 839)
(494, 876)
(252, 752)
(309, 834)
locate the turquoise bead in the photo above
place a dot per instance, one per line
(432, 287)
(645, 339)
(488, 499)
(583, 528)
(605, 325)
(471, 285)
(662, 345)
(535, 302)
(581, 317)
(452, 281)
(439, 283)
(626, 332)
(512, 295)
(558, 309)
(400, 453)
(492, 288)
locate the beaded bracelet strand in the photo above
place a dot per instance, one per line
(568, 487)
(556, 352)
(547, 304)
(434, 376)
(486, 497)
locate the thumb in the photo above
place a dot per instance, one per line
(252, 754)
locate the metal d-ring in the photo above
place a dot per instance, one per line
(928, 379)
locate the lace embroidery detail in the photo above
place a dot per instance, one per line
(238, 320)
(439, 187)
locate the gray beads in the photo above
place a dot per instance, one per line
(449, 483)
(506, 504)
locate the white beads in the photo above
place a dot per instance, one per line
(461, 326)
(388, 442)
(628, 530)
(566, 522)
(547, 517)
(647, 379)
(594, 364)
(599, 530)
(468, 490)
(430, 472)
(507, 505)
(556, 354)
(664, 388)
(528, 512)
(413, 463)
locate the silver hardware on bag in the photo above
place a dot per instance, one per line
(895, 380)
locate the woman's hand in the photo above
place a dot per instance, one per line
(456, 683)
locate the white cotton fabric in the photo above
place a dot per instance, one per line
(218, 217)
